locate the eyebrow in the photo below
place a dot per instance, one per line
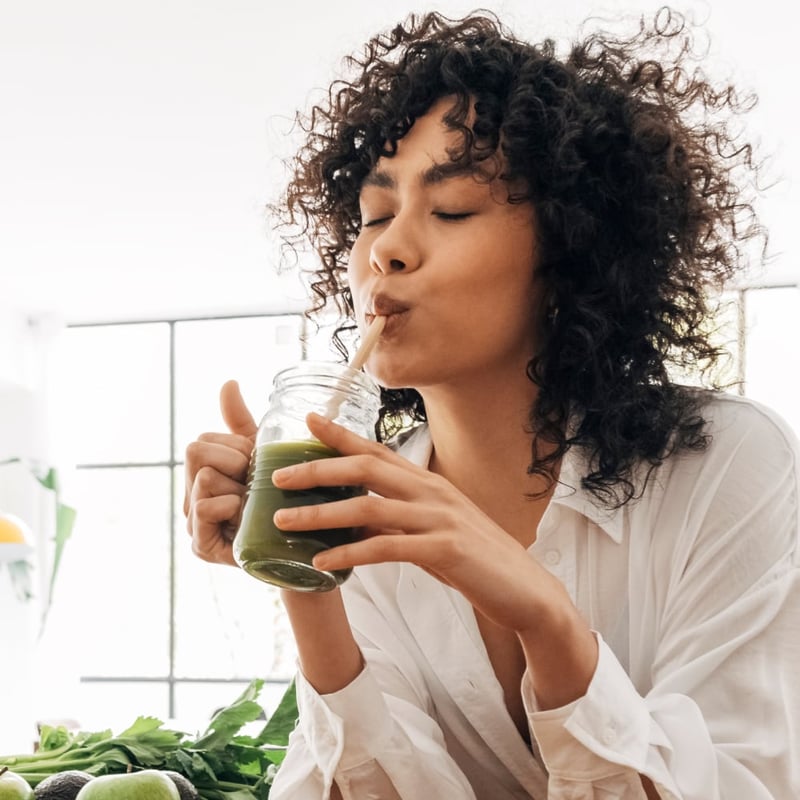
(435, 174)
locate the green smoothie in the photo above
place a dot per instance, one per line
(283, 558)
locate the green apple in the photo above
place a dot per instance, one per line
(13, 786)
(149, 784)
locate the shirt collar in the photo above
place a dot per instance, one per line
(570, 492)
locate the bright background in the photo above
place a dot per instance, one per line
(139, 144)
(140, 140)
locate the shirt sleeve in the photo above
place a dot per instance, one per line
(375, 738)
(721, 719)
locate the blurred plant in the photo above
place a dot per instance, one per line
(64, 523)
(14, 551)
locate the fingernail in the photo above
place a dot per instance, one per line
(282, 474)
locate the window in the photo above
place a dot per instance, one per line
(771, 362)
(759, 325)
(147, 627)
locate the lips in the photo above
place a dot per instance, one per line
(385, 306)
(394, 310)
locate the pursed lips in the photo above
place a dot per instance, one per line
(385, 306)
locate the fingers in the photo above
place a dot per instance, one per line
(244, 444)
(218, 457)
(388, 529)
(440, 552)
(213, 511)
(223, 456)
(216, 471)
(209, 482)
(374, 472)
(377, 513)
(212, 529)
(234, 411)
(362, 463)
(344, 441)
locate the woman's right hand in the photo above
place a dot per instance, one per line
(216, 476)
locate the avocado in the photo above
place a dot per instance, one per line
(185, 787)
(62, 785)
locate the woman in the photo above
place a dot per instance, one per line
(579, 577)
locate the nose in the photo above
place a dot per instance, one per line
(396, 249)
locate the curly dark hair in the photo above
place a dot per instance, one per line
(639, 184)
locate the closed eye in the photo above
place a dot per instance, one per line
(373, 222)
(443, 215)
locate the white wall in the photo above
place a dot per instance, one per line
(140, 140)
(25, 350)
(20, 496)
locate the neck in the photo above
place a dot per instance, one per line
(481, 445)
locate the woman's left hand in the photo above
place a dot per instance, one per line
(416, 516)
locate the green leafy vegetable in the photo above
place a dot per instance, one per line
(222, 763)
(282, 721)
(228, 721)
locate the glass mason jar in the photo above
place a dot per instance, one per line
(283, 558)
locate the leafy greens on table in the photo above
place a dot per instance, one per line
(222, 763)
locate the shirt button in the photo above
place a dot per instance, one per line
(610, 734)
(552, 557)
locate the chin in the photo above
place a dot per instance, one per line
(392, 375)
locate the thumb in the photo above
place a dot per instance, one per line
(234, 411)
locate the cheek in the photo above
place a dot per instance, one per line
(357, 266)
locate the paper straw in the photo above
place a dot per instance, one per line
(368, 342)
(356, 363)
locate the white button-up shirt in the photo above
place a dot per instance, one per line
(694, 594)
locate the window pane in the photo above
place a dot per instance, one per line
(196, 703)
(105, 704)
(724, 334)
(113, 589)
(772, 362)
(319, 344)
(229, 625)
(210, 352)
(728, 371)
(113, 395)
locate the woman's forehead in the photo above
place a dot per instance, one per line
(436, 151)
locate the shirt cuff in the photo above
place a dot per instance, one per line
(345, 729)
(602, 733)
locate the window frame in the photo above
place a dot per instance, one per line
(173, 463)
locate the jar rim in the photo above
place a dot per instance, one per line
(325, 370)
